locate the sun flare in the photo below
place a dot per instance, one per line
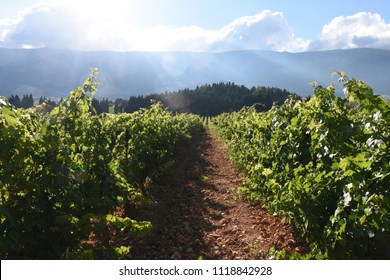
(100, 10)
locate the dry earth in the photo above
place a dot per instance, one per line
(197, 212)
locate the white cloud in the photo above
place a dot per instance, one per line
(161, 38)
(41, 26)
(267, 31)
(357, 31)
(61, 26)
(6, 26)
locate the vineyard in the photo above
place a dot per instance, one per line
(324, 163)
(72, 181)
(68, 176)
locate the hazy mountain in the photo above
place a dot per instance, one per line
(53, 73)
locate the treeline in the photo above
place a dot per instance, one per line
(27, 101)
(206, 100)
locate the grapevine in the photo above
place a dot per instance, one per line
(324, 163)
(65, 172)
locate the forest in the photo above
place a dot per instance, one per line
(206, 100)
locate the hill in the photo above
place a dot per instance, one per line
(205, 100)
(53, 73)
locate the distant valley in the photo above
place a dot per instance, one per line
(53, 73)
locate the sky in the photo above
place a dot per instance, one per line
(195, 25)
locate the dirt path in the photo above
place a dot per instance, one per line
(197, 213)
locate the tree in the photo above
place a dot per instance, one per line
(15, 100)
(27, 101)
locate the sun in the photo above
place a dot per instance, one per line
(103, 21)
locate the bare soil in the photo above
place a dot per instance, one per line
(197, 213)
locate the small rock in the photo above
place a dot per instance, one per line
(190, 250)
(176, 255)
(290, 242)
(186, 226)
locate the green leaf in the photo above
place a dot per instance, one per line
(10, 116)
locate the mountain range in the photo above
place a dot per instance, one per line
(53, 73)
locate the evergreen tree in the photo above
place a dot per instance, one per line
(96, 105)
(105, 105)
(27, 101)
(15, 100)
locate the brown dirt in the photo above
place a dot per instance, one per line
(197, 212)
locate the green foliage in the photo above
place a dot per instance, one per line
(209, 99)
(65, 171)
(324, 163)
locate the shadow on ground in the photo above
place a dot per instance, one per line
(180, 215)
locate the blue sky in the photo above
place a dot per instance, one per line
(195, 25)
